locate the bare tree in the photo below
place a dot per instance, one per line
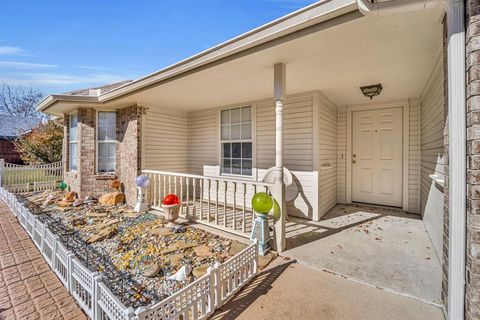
(19, 100)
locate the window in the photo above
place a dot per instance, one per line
(73, 145)
(236, 140)
(106, 141)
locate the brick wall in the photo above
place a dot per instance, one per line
(86, 181)
(472, 301)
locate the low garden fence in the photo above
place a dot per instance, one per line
(197, 301)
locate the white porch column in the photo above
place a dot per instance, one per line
(278, 190)
(457, 159)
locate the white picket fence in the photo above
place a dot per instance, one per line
(197, 301)
(24, 178)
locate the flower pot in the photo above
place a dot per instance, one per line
(171, 211)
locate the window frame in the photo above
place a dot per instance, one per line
(98, 142)
(253, 173)
(70, 141)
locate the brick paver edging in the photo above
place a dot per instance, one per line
(29, 289)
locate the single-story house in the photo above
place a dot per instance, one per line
(342, 101)
(10, 128)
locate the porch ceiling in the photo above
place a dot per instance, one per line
(398, 50)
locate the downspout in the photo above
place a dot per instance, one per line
(366, 7)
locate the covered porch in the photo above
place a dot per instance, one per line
(280, 109)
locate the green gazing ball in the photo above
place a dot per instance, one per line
(62, 185)
(262, 203)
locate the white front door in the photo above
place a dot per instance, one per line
(377, 156)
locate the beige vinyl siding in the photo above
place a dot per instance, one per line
(414, 158)
(432, 156)
(203, 142)
(342, 153)
(327, 154)
(298, 147)
(165, 141)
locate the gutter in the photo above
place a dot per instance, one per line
(394, 6)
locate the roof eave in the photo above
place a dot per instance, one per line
(50, 100)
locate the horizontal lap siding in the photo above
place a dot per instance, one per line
(414, 158)
(165, 141)
(327, 154)
(342, 152)
(298, 147)
(432, 156)
(203, 142)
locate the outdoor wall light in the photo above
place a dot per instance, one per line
(371, 90)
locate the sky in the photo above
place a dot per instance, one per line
(63, 45)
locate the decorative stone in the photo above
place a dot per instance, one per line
(199, 271)
(112, 199)
(235, 248)
(79, 222)
(152, 270)
(77, 203)
(179, 245)
(65, 203)
(179, 229)
(264, 261)
(48, 202)
(131, 215)
(203, 251)
(175, 259)
(103, 234)
(96, 214)
(70, 196)
(159, 231)
(90, 200)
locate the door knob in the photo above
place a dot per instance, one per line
(353, 161)
(354, 155)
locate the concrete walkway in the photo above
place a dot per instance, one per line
(288, 290)
(383, 247)
(29, 289)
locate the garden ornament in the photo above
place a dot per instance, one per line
(62, 185)
(262, 203)
(171, 207)
(142, 183)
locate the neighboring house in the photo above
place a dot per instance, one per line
(10, 128)
(288, 94)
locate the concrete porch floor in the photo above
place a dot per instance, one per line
(382, 247)
(289, 290)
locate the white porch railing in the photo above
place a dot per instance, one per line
(220, 202)
(21, 178)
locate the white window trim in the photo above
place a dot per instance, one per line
(253, 174)
(70, 141)
(98, 142)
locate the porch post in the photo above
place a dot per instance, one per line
(278, 190)
(457, 159)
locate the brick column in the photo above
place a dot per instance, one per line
(472, 299)
(128, 153)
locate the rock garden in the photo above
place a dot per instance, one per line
(142, 256)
